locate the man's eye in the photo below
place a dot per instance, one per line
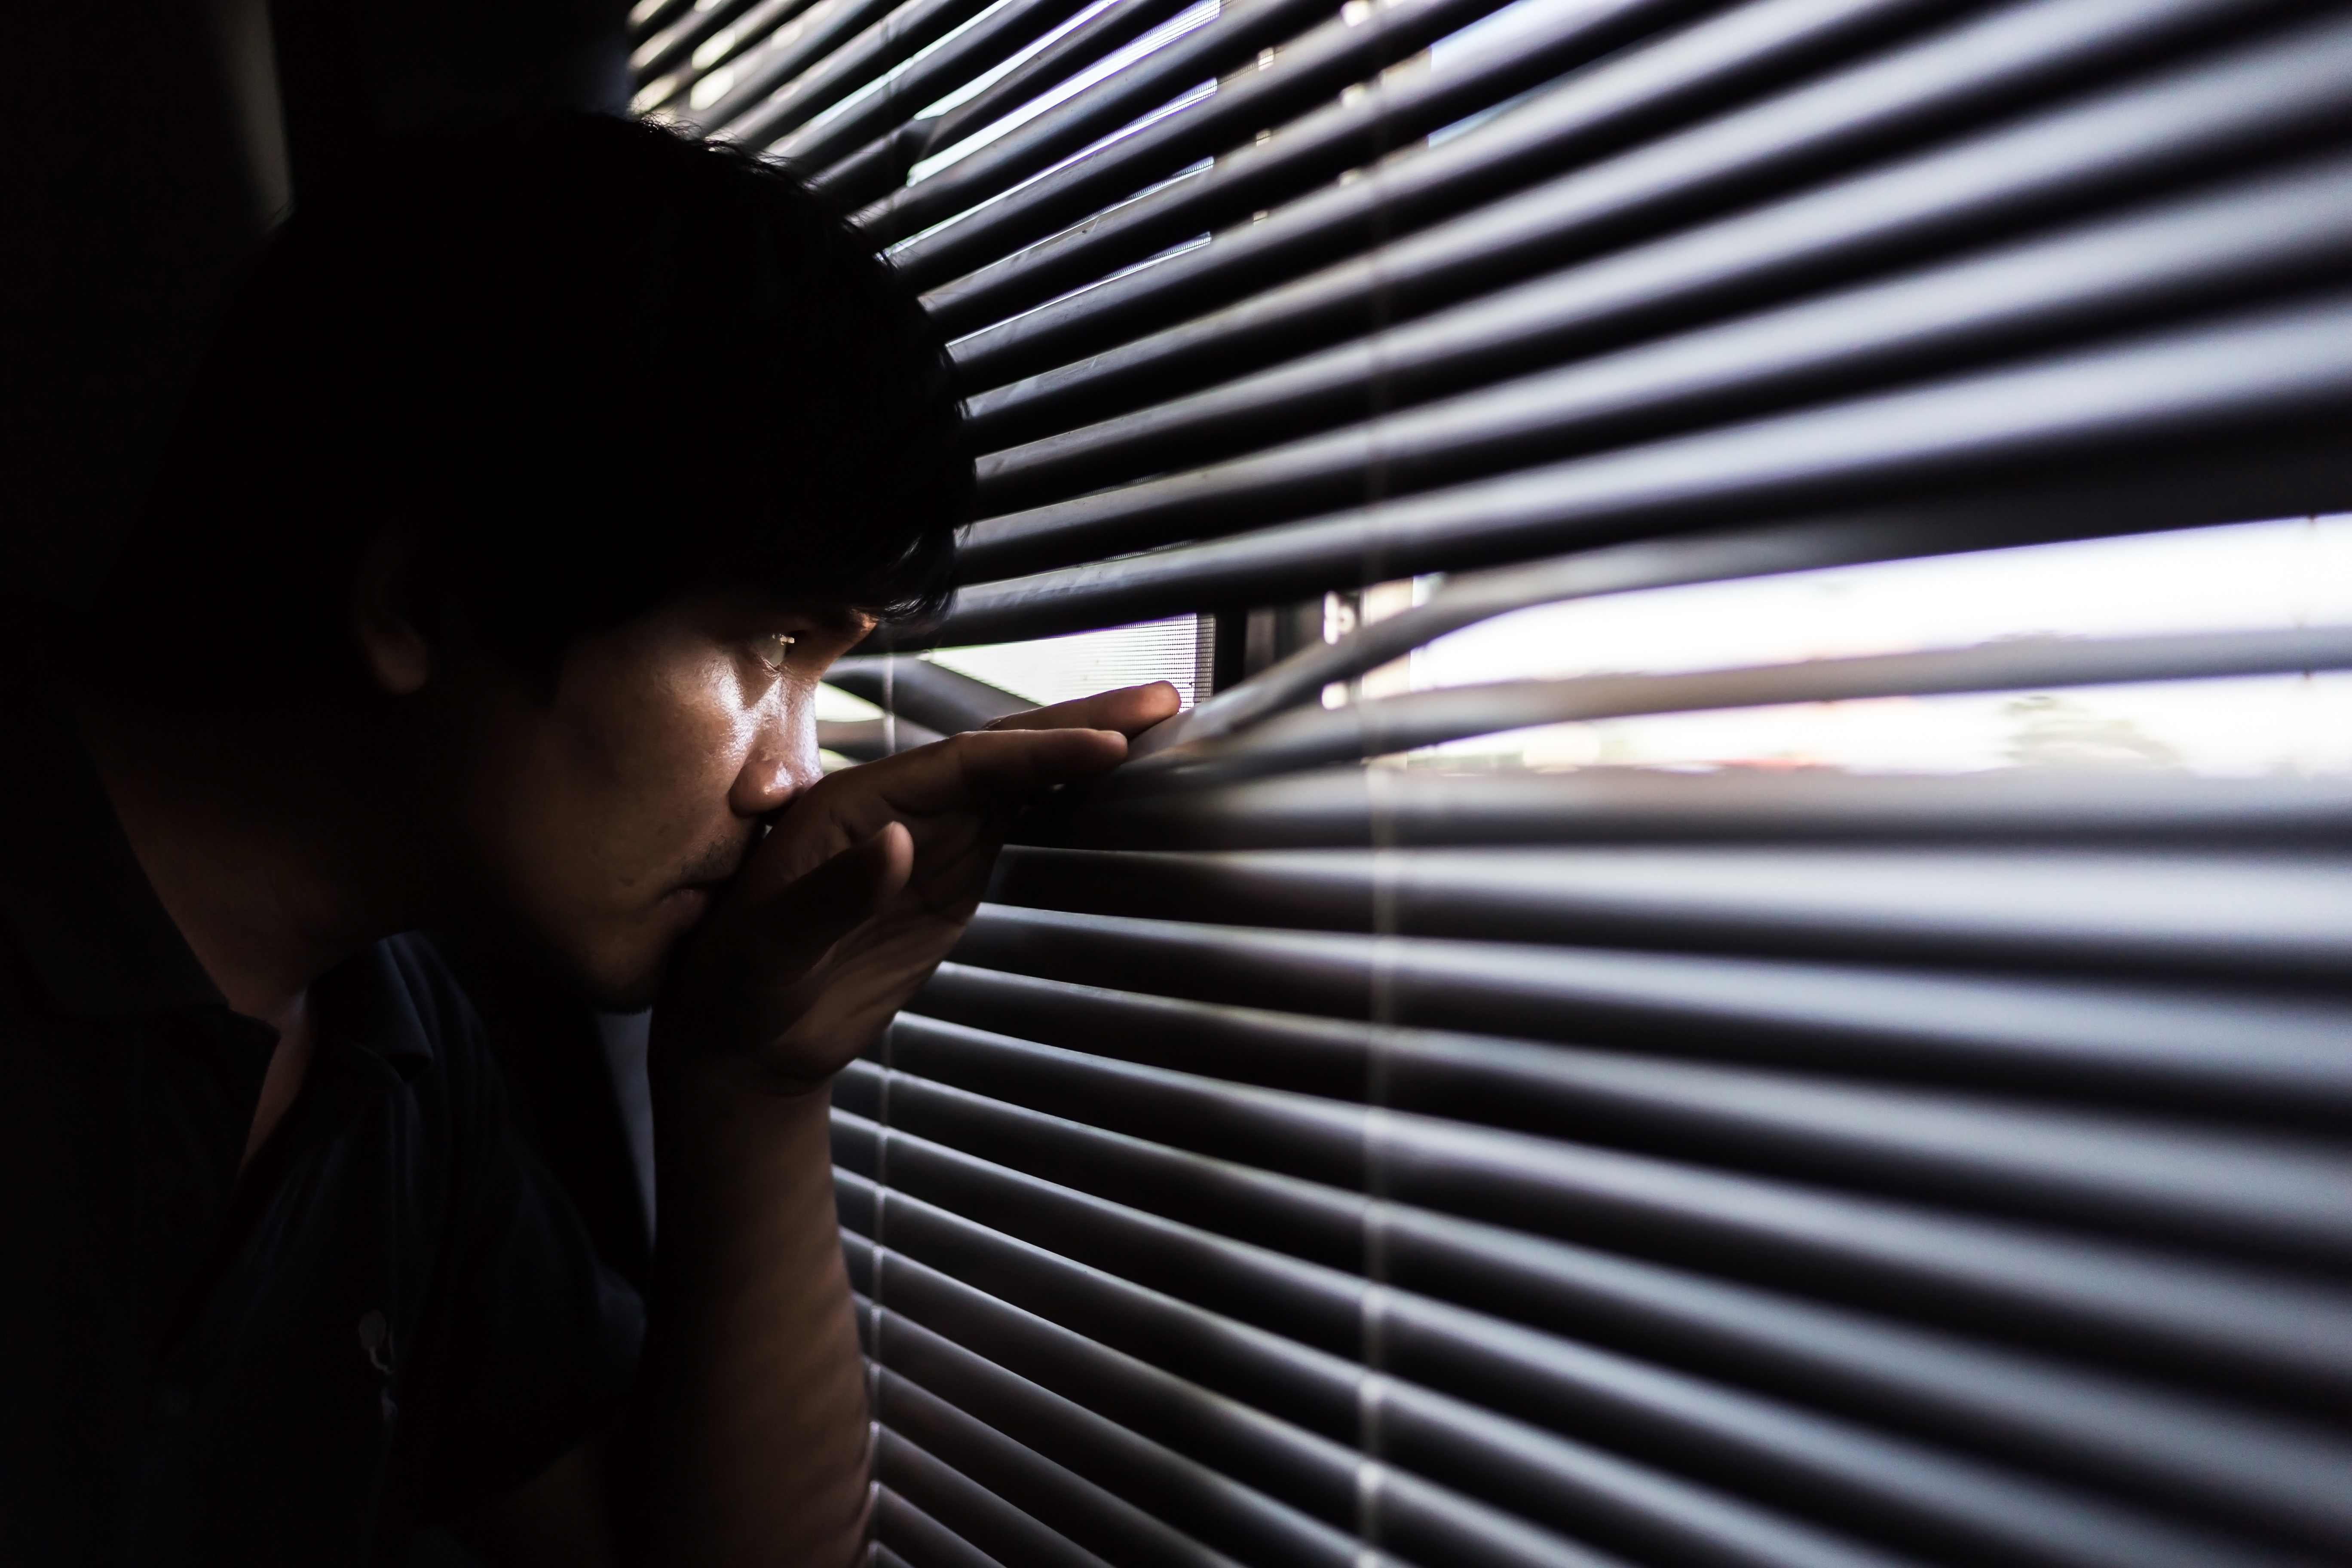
(776, 649)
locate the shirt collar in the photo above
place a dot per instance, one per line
(370, 1004)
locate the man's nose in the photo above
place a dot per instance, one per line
(781, 763)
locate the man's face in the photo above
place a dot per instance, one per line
(604, 818)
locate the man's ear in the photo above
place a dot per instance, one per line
(397, 652)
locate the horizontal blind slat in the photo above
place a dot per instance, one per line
(1308, 69)
(657, 51)
(1683, 75)
(796, 38)
(1217, 1510)
(2281, 912)
(2223, 1187)
(2091, 1295)
(811, 147)
(2071, 495)
(1237, 34)
(1296, 1219)
(2094, 1297)
(2268, 374)
(1860, 1481)
(1340, 809)
(1305, 1471)
(1307, 1304)
(971, 1510)
(829, 72)
(1287, 162)
(2270, 232)
(647, 16)
(1689, 1423)
(1081, 1513)
(2298, 1471)
(898, 1523)
(880, 165)
(1626, 1498)
(2242, 1046)
(2083, 1290)
(2253, 1469)
(1387, 1506)
(1829, 126)
(2151, 1442)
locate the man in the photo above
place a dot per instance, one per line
(537, 477)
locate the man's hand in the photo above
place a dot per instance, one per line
(866, 883)
(749, 1440)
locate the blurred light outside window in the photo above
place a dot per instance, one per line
(2243, 578)
(835, 706)
(1055, 669)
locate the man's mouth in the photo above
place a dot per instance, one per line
(705, 880)
(702, 879)
(694, 899)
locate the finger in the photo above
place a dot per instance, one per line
(798, 925)
(993, 767)
(1130, 711)
(981, 767)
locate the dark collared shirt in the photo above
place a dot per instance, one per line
(392, 1315)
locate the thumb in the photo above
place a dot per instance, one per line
(747, 987)
(797, 926)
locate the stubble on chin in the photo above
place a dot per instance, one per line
(632, 984)
(717, 863)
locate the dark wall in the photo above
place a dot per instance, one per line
(148, 157)
(155, 142)
(352, 69)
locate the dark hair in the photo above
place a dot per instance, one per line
(593, 363)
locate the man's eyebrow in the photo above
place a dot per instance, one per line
(843, 619)
(830, 618)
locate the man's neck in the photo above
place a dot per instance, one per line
(260, 850)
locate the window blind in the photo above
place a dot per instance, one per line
(1311, 1159)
